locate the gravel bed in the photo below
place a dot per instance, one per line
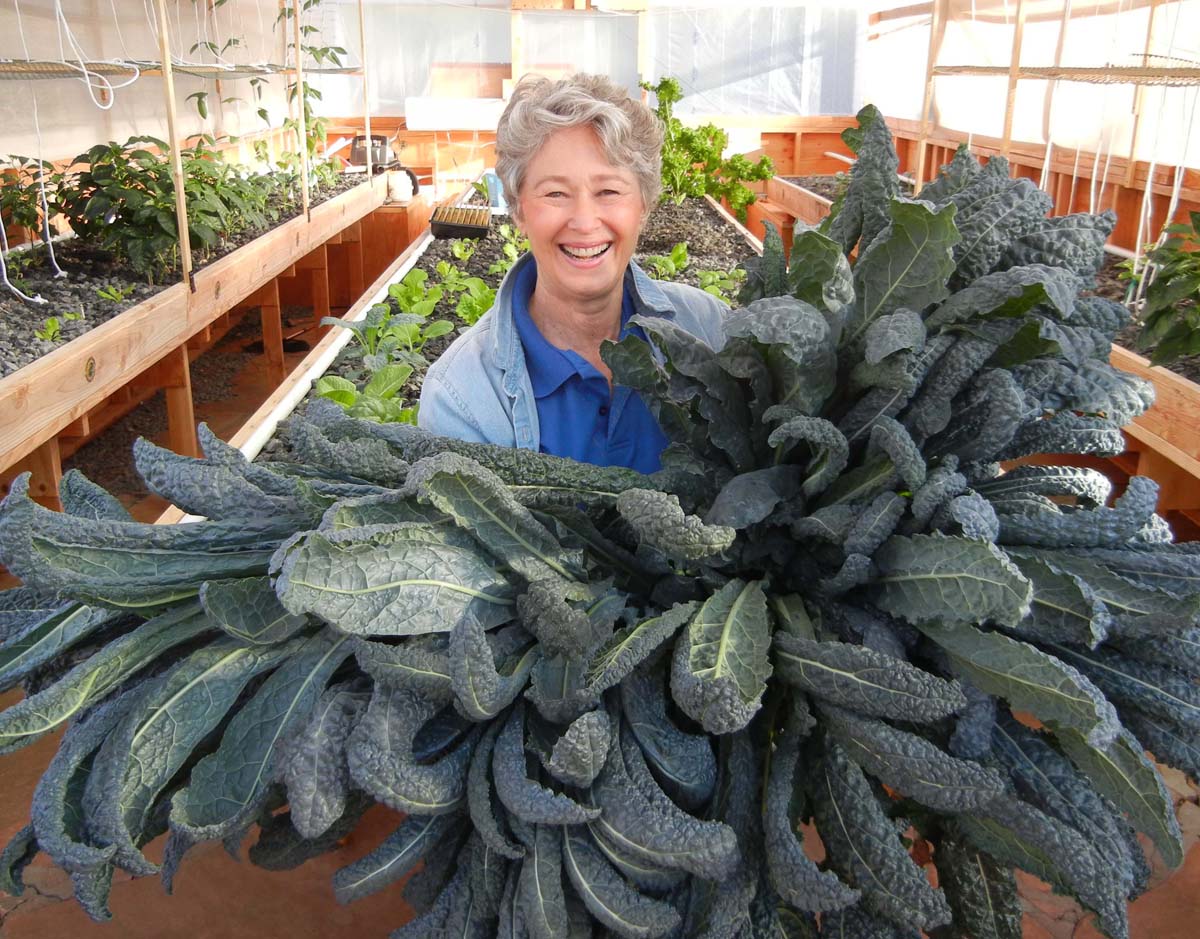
(830, 186)
(89, 270)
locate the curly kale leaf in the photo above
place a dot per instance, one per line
(865, 848)
(865, 680)
(720, 668)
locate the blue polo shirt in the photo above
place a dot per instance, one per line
(577, 415)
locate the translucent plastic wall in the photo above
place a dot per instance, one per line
(1098, 118)
(61, 117)
(783, 58)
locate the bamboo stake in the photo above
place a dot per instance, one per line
(1051, 87)
(1137, 99)
(937, 30)
(181, 220)
(362, 39)
(1014, 67)
(300, 122)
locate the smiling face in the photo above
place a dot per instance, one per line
(582, 216)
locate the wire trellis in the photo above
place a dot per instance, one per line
(23, 69)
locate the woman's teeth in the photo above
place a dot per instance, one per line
(584, 253)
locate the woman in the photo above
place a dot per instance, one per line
(580, 162)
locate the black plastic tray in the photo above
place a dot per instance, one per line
(453, 221)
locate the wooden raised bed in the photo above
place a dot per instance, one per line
(797, 201)
(147, 346)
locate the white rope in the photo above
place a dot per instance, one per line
(1144, 217)
(4, 272)
(37, 128)
(91, 79)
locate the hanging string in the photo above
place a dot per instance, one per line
(1144, 217)
(4, 272)
(91, 79)
(37, 127)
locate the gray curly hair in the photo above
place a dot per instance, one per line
(630, 133)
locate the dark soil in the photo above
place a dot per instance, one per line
(89, 270)
(830, 187)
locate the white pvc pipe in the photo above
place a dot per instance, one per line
(254, 444)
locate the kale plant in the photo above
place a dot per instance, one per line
(606, 701)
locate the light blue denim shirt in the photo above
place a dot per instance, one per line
(479, 388)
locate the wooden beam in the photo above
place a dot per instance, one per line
(1137, 95)
(271, 317)
(181, 219)
(300, 119)
(937, 32)
(44, 466)
(1014, 67)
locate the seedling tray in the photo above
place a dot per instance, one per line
(451, 221)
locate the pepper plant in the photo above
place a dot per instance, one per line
(1170, 313)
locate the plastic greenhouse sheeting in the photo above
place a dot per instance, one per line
(791, 58)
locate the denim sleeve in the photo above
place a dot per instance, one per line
(443, 413)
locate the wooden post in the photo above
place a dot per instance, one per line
(352, 248)
(272, 331)
(1137, 101)
(1051, 86)
(517, 47)
(317, 262)
(643, 49)
(44, 466)
(1014, 68)
(300, 121)
(172, 373)
(185, 245)
(362, 41)
(937, 31)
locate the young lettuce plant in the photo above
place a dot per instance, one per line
(668, 266)
(605, 701)
(377, 400)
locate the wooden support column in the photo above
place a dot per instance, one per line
(1131, 165)
(1014, 69)
(362, 55)
(185, 246)
(352, 249)
(45, 468)
(271, 316)
(937, 32)
(300, 121)
(1048, 101)
(317, 262)
(173, 375)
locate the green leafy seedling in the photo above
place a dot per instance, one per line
(51, 330)
(113, 293)
(668, 266)
(475, 301)
(463, 248)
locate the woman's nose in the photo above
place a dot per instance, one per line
(584, 215)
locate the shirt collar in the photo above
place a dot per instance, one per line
(549, 366)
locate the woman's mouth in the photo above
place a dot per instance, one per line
(585, 252)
